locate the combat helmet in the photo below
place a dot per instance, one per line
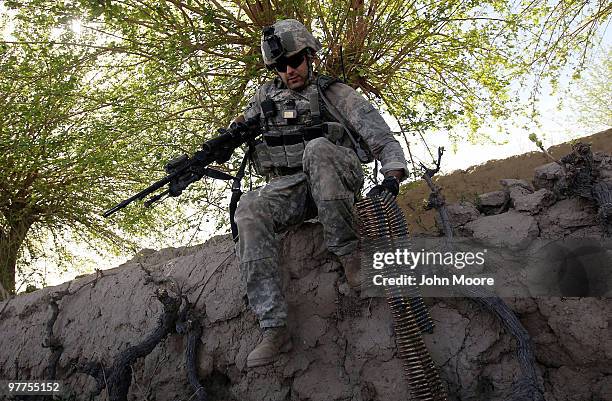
(284, 39)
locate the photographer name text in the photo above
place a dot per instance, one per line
(424, 280)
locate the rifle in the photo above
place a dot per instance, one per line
(183, 170)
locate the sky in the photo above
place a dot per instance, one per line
(556, 125)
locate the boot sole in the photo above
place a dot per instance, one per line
(266, 361)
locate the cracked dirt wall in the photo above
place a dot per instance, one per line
(343, 346)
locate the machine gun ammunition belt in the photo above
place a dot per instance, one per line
(382, 221)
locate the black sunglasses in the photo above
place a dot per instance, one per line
(294, 61)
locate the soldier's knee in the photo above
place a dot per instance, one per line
(250, 208)
(317, 149)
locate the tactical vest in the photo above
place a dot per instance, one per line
(290, 121)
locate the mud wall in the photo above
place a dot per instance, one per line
(343, 346)
(466, 185)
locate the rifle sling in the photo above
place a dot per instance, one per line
(236, 194)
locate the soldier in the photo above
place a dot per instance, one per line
(317, 131)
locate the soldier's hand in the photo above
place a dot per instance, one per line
(390, 185)
(239, 126)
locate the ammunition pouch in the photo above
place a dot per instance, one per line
(282, 152)
(262, 162)
(334, 132)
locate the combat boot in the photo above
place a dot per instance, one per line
(352, 268)
(275, 340)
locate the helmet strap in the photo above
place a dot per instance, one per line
(310, 61)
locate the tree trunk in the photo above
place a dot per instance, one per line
(10, 244)
(3, 293)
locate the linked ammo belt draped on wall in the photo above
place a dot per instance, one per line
(381, 220)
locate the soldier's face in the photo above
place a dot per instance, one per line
(293, 72)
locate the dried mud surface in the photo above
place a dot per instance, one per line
(344, 346)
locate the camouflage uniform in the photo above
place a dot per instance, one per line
(308, 178)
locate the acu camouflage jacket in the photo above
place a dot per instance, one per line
(286, 129)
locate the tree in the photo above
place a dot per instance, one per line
(593, 95)
(150, 78)
(431, 64)
(73, 141)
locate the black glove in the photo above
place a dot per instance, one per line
(390, 184)
(238, 126)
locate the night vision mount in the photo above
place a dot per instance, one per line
(273, 42)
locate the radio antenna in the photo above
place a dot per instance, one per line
(342, 64)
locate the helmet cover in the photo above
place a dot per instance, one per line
(284, 39)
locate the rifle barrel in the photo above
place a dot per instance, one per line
(202, 158)
(140, 195)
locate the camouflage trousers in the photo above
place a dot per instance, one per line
(331, 178)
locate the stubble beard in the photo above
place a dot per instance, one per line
(297, 83)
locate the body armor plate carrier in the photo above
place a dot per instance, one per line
(291, 122)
